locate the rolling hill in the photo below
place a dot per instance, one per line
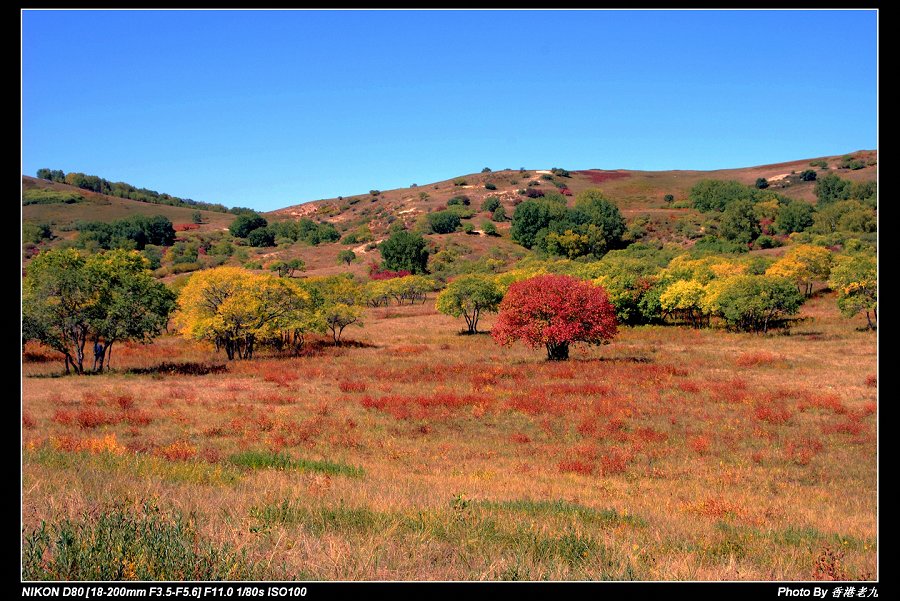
(639, 194)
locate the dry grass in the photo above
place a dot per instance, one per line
(669, 454)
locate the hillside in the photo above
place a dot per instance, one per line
(639, 194)
(100, 207)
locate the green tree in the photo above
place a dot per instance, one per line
(753, 302)
(469, 296)
(69, 300)
(490, 204)
(405, 251)
(531, 219)
(197, 217)
(762, 183)
(35, 232)
(443, 222)
(855, 279)
(499, 214)
(832, 188)
(246, 223)
(793, 217)
(287, 268)
(808, 175)
(716, 195)
(739, 223)
(260, 237)
(346, 256)
(488, 228)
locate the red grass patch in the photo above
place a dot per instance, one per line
(136, 417)
(520, 438)
(872, 381)
(576, 466)
(598, 176)
(124, 401)
(407, 350)
(650, 435)
(700, 444)
(579, 389)
(773, 414)
(179, 450)
(849, 425)
(94, 418)
(587, 426)
(756, 359)
(822, 401)
(28, 420)
(439, 404)
(351, 386)
(280, 377)
(689, 386)
(802, 451)
(615, 461)
(61, 416)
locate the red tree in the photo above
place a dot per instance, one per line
(555, 311)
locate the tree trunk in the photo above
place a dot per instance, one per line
(869, 321)
(558, 352)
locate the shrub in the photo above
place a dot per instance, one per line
(534, 193)
(374, 192)
(486, 170)
(490, 204)
(555, 311)
(468, 228)
(808, 175)
(261, 237)
(443, 222)
(490, 186)
(405, 250)
(488, 228)
(461, 200)
(499, 214)
(459, 181)
(761, 183)
(246, 223)
(669, 198)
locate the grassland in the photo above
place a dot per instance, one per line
(419, 454)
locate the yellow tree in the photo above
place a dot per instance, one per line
(235, 309)
(684, 298)
(340, 303)
(804, 265)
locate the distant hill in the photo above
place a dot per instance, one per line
(635, 192)
(363, 219)
(100, 207)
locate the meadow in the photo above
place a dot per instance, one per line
(411, 452)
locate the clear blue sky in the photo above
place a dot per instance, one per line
(266, 109)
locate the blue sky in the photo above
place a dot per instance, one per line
(271, 108)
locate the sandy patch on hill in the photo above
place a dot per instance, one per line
(361, 249)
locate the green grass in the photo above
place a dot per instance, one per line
(321, 519)
(605, 517)
(131, 466)
(125, 544)
(282, 461)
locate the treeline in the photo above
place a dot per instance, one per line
(130, 233)
(739, 217)
(124, 190)
(260, 233)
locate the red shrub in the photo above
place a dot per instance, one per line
(210, 455)
(351, 386)
(279, 376)
(61, 416)
(93, 418)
